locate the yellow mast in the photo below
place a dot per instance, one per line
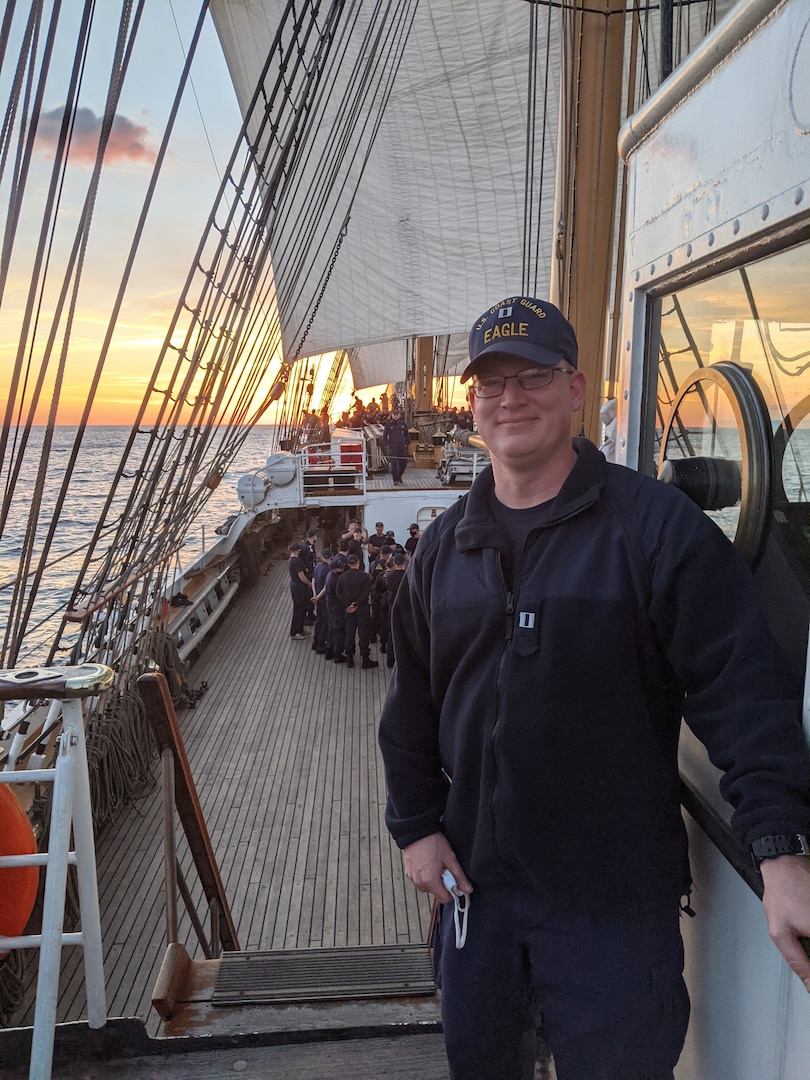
(587, 179)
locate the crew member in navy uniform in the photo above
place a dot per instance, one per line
(393, 579)
(413, 539)
(300, 590)
(335, 612)
(353, 589)
(395, 441)
(309, 558)
(320, 631)
(553, 628)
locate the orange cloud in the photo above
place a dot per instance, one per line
(128, 141)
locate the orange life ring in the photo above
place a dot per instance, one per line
(18, 884)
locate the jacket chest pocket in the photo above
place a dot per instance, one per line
(526, 632)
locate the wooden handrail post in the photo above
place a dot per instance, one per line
(160, 711)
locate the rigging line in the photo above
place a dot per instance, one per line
(528, 177)
(236, 407)
(262, 256)
(544, 135)
(76, 260)
(327, 58)
(288, 145)
(112, 491)
(566, 225)
(644, 83)
(770, 355)
(11, 227)
(48, 352)
(332, 152)
(768, 347)
(55, 562)
(27, 45)
(5, 30)
(323, 59)
(612, 367)
(27, 546)
(250, 328)
(294, 51)
(159, 160)
(205, 4)
(360, 86)
(292, 141)
(27, 56)
(240, 141)
(380, 110)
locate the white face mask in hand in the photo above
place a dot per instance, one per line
(461, 908)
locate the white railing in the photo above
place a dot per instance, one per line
(334, 468)
(70, 814)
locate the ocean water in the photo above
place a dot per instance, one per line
(93, 473)
(95, 469)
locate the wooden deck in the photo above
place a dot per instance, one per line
(283, 750)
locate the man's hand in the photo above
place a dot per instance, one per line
(426, 860)
(787, 908)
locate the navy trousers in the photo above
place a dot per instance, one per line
(609, 992)
(398, 462)
(336, 636)
(301, 596)
(358, 625)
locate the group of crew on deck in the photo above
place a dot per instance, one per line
(380, 412)
(340, 602)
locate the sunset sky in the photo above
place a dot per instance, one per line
(205, 131)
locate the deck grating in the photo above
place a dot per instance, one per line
(283, 750)
(289, 975)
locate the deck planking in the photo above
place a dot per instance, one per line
(283, 750)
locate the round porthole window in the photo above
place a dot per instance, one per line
(717, 447)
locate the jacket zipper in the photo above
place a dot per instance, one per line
(510, 611)
(510, 597)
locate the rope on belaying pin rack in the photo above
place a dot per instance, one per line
(162, 649)
(12, 984)
(119, 755)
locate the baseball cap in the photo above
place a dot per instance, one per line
(413, 526)
(523, 328)
(337, 563)
(399, 559)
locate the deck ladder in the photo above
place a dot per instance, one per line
(66, 688)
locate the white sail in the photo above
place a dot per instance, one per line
(437, 228)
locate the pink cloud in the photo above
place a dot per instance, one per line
(128, 141)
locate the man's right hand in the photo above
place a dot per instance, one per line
(426, 860)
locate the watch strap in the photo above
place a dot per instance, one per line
(772, 847)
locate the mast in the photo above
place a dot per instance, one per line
(587, 182)
(423, 368)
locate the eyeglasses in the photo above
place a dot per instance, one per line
(534, 378)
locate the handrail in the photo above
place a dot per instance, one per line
(181, 791)
(71, 815)
(720, 834)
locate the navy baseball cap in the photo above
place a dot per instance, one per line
(522, 328)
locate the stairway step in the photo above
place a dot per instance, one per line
(294, 975)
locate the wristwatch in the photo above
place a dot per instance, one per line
(771, 847)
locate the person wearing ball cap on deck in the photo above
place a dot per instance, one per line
(554, 626)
